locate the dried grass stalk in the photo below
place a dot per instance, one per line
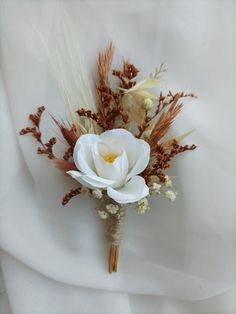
(104, 64)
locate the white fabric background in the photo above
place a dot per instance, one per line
(179, 258)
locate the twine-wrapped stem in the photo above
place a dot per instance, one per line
(114, 236)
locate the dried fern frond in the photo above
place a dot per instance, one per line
(104, 64)
(163, 124)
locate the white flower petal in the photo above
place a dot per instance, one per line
(96, 182)
(74, 174)
(82, 154)
(143, 158)
(131, 192)
(124, 139)
(103, 149)
(116, 170)
(90, 181)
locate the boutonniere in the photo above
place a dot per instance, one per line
(118, 153)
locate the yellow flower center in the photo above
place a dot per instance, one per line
(110, 157)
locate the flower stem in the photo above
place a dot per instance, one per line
(116, 260)
(113, 260)
(114, 235)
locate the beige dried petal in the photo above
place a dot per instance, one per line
(134, 108)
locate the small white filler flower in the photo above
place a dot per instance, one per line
(168, 183)
(97, 193)
(142, 206)
(102, 214)
(112, 208)
(155, 188)
(171, 195)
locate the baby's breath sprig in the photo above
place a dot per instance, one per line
(142, 206)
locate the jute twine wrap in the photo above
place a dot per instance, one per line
(115, 226)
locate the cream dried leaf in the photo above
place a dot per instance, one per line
(144, 84)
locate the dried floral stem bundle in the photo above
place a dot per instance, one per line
(114, 235)
(118, 153)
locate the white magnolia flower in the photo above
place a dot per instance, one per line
(112, 161)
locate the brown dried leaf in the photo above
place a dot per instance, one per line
(64, 165)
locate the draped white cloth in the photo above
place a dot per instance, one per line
(180, 257)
